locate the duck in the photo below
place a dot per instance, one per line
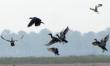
(53, 40)
(101, 43)
(96, 8)
(12, 41)
(54, 50)
(62, 35)
(35, 20)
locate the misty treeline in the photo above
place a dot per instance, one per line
(33, 44)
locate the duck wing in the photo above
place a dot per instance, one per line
(20, 38)
(53, 41)
(5, 39)
(106, 38)
(31, 22)
(63, 33)
(54, 50)
(100, 5)
(104, 41)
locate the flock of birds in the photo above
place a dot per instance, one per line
(61, 37)
(58, 38)
(103, 41)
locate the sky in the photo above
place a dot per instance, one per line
(57, 14)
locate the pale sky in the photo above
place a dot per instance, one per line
(56, 14)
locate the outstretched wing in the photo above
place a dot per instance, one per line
(31, 22)
(54, 50)
(106, 38)
(63, 33)
(5, 39)
(20, 38)
(103, 41)
(96, 7)
(51, 42)
(99, 5)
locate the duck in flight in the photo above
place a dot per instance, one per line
(96, 8)
(53, 40)
(12, 41)
(101, 43)
(36, 21)
(54, 50)
(62, 35)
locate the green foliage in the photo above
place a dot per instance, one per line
(60, 60)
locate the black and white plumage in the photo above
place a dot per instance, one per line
(101, 43)
(12, 41)
(36, 21)
(54, 50)
(62, 35)
(96, 8)
(53, 40)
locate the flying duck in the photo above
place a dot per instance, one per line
(96, 8)
(101, 43)
(12, 41)
(36, 21)
(62, 35)
(53, 40)
(54, 50)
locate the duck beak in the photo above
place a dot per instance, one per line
(30, 18)
(42, 22)
(49, 49)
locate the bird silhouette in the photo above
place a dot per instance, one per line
(36, 21)
(54, 50)
(101, 43)
(62, 35)
(12, 41)
(53, 40)
(96, 8)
